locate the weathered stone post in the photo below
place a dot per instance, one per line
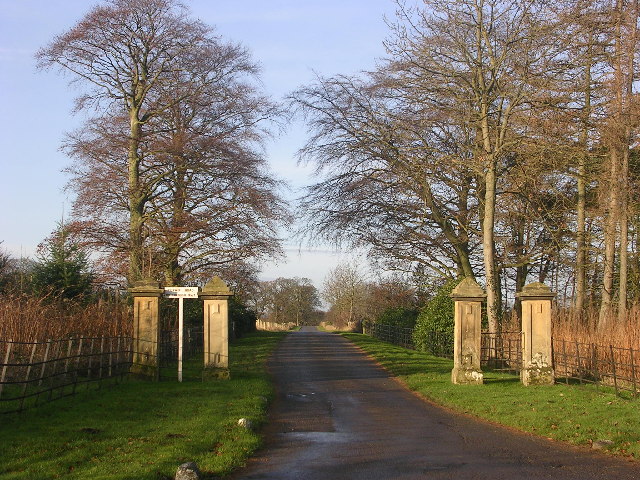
(537, 359)
(468, 297)
(216, 329)
(146, 331)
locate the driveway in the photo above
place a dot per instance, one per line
(338, 415)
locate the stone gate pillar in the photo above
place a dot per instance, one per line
(216, 329)
(146, 331)
(537, 357)
(468, 297)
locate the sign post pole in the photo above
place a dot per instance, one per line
(180, 293)
(180, 332)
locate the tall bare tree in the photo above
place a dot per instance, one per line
(177, 109)
(478, 63)
(381, 183)
(346, 291)
(127, 53)
(619, 137)
(216, 201)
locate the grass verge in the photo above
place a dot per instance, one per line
(579, 415)
(144, 430)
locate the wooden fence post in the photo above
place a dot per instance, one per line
(44, 363)
(566, 366)
(67, 360)
(101, 357)
(613, 367)
(110, 356)
(633, 372)
(594, 357)
(5, 365)
(90, 361)
(77, 369)
(28, 374)
(118, 369)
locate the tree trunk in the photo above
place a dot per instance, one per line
(624, 238)
(518, 232)
(581, 253)
(610, 231)
(624, 176)
(136, 200)
(488, 248)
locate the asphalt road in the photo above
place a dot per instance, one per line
(339, 416)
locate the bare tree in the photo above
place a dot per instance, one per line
(382, 187)
(413, 156)
(479, 64)
(217, 202)
(293, 300)
(175, 157)
(589, 46)
(619, 137)
(127, 53)
(346, 291)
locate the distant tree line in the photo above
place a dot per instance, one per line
(287, 300)
(353, 298)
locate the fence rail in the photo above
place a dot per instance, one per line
(392, 334)
(435, 343)
(193, 343)
(37, 372)
(32, 373)
(573, 362)
(597, 364)
(501, 352)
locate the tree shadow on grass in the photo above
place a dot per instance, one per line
(496, 378)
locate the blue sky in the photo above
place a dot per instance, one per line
(291, 39)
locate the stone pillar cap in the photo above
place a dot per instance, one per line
(468, 288)
(216, 287)
(146, 287)
(535, 290)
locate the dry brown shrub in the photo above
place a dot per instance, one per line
(567, 326)
(27, 319)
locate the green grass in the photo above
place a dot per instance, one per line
(144, 430)
(572, 414)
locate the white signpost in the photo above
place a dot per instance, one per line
(180, 293)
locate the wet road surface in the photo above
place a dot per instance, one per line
(339, 416)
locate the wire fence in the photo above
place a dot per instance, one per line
(573, 362)
(193, 343)
(392, 334)
(501, 352)
(32, 373)
(576, 362)
(435, 343)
